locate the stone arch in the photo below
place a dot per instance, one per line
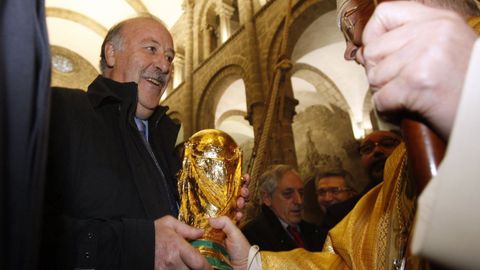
(78, 18)
(302, 16)
(207, 25)
(198, 12)
(368, 114)
(205, 114)
(323, 85)
(229, 114)
(235, 19)
(138, 6)
(178, 68)
(371, 120)
(77, 72)
(330, 126)
(203, 13)
(211, 24)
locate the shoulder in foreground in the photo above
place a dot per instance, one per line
(73, 91)
(66, 99)
(66, 93)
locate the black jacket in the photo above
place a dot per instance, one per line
(267, 232)
(335, 213)
(103, 189)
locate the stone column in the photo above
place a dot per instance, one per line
(188, 124)
(281, 141)
(178, 69)
(225, 12)
(207, 45)
(255, 91)
(284, 132)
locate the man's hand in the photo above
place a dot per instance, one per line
(416, 59)
(243, 198)
(172, 251)
(236, 243)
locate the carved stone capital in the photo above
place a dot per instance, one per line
(224, 10)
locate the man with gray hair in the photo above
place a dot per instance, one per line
(279, 226)
(111, 194)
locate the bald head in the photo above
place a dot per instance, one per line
(140, 50)
(114, 36)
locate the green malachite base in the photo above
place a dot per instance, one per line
(207, 248)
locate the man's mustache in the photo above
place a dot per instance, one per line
(159, 76)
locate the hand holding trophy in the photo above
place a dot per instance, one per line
(208, 185)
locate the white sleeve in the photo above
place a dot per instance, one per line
(447, 227)
(254, 258)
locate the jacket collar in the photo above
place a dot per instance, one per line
(103, 90)
(271, 215)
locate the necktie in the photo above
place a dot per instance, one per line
(142, 129)
(296, 236)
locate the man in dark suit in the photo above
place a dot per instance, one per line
(111, 186)
(279, 226)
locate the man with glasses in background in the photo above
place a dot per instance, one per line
(374, 150)
(335, 196)
(332, 187)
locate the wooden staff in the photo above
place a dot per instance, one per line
(425, 150)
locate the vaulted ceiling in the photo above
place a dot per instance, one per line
(80, 25)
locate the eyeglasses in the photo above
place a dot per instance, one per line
(347, 26)
(322, 192)
(387, 143)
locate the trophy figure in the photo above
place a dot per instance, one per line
(208, 185)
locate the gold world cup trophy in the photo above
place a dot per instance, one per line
(209, 184)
